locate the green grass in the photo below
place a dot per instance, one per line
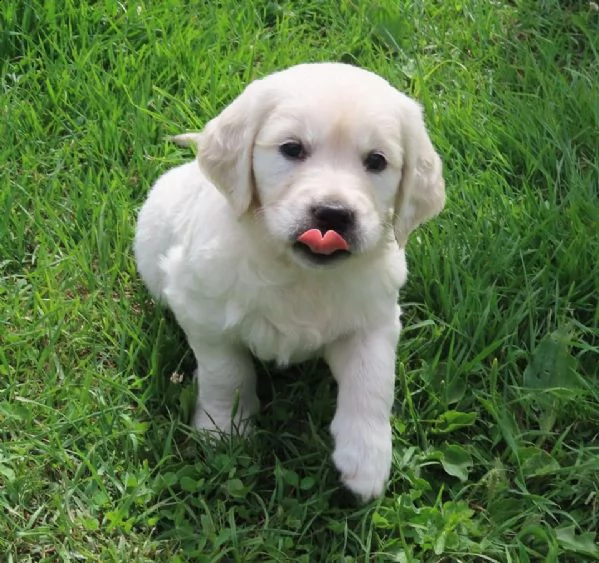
(496, 427)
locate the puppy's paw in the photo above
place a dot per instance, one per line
(220, 423)
(223, 421)
(362, 455)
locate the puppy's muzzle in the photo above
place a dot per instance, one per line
(328, 234)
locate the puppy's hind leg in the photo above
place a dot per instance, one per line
(226, 380)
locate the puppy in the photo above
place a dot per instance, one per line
(285, 239)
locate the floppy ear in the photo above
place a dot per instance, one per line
(225, 146)
(421, 193)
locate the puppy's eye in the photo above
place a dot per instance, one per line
(293, 150)
(375, 162)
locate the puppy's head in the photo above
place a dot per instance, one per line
(328, 157)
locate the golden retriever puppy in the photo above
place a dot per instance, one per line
(285, 239)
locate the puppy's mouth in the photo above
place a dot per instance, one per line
(322, 249)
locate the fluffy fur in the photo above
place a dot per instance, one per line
(217, 241)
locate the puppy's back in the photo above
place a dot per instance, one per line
(161, 219)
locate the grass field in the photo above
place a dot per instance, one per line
(496, 427)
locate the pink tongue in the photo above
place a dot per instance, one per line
(326, 244)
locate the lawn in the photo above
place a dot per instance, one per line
(496, 424)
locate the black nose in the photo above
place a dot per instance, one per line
(333, 216)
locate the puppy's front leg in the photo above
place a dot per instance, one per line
(364, 366)
(226, 379)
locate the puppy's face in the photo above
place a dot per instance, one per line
(326, 168)
(330, 158)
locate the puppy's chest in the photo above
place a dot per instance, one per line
(294, 324)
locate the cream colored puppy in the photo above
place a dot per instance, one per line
(285, 238)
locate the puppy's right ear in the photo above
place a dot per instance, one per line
(225, 146)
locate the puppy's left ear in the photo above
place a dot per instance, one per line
(421, 193)
(225, 146)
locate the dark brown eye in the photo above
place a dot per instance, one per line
(293, 150)
(375, 162)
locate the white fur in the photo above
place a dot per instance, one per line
(215, 242)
